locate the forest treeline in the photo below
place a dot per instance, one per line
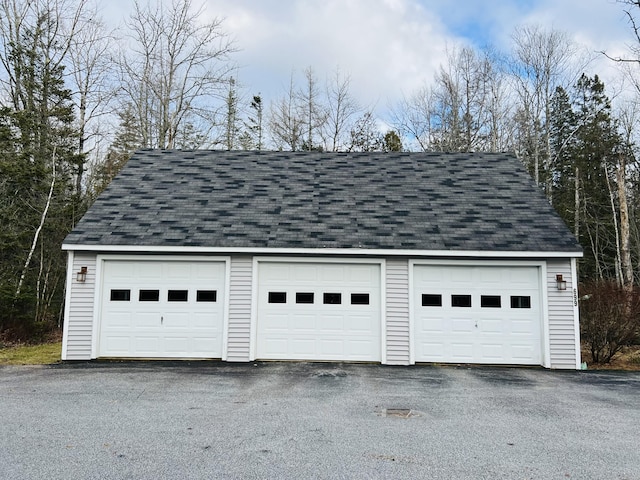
(76, 99)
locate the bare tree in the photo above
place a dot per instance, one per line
(174, 70)
(542, 60)
(92, 87)
(231, 118)
(341, 109)
(464, 110)
(285, 121)
(462, 97)
(313, 113)
(412, 117)
(365, 135)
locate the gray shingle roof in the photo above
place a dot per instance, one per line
(414, 201)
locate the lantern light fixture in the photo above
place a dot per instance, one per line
(81, 276)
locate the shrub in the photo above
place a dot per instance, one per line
(609, 318)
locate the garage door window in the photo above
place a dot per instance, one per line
(359, 299)
(431, 300)
(520, 302)
(332, 298)
(461, 301)
(277, 297)
(178, 295)
(149, 295)
(490, 301)
(206, 296)
(304, 297)
(120, 295)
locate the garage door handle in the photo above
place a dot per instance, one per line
(161, 320)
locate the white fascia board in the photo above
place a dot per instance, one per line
(318, 251)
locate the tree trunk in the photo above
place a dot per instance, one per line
(614, 215)
(625, 230)
(36, 236)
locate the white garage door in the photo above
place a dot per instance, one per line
(162, 309)
(318, 311)
(477, 314)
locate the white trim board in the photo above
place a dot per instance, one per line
(67, 306)
(318, 251)
(576, 313)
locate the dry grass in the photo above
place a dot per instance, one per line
(43, 354)
(628, 359)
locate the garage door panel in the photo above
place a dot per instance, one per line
(331, 273)
(176, 344)
(490, 278)
(122, 320)
(330, 347)
(176, 321)
(202, 321)
(148, 271)
(523, 353)
(118, 344)
(431, 324)
(359, 348)
(147, 345)
(146, 320)
(359, 324)
(332, 324)
(274, 346)
(462, 352)
(461, 325)
(316, 330)
(155, 326)
(523, 327)
(493, 333)
(434, 352)
(491, 327)
(494, 352)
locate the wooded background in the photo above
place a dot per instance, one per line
(76, 99)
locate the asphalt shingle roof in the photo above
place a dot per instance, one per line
(414, 201)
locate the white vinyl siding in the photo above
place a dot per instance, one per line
(239, 325)
(397, 311)
(78, 324)
(562, 330)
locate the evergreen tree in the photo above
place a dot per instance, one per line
(392, 142)
(585, 144)
(126, 141)
(39, 163)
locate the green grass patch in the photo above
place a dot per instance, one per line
(44, 354)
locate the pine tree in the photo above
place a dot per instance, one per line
(126, 141)
(585, 144)
(40, 161)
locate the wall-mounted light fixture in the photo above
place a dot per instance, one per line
(561, 282)
(81, 276)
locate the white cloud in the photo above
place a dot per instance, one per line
(387, 46)
(391, 47)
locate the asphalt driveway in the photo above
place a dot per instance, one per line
(304, 421)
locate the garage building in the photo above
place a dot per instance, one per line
(392, 258)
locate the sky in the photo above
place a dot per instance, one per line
(390, 48)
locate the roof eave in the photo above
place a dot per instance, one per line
(322, 251)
